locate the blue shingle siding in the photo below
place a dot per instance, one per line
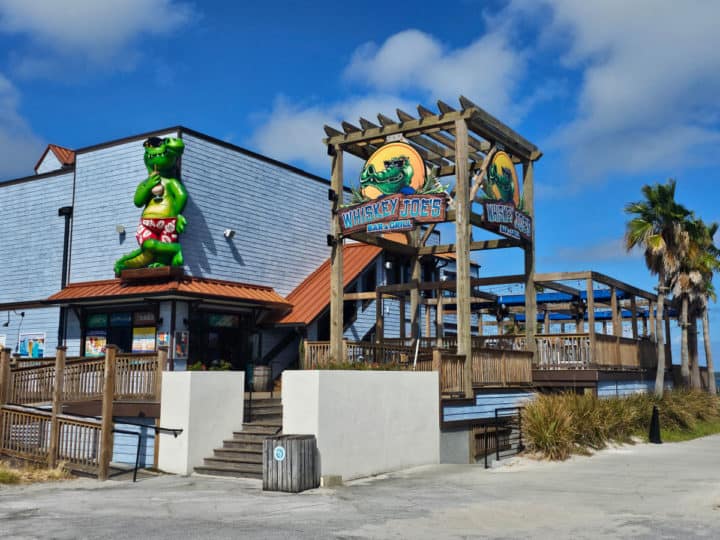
(485, 405)
(125, 446)
(105, 183)
(36, 321)
(624, 388)
(281, 218)
(31, 236)
(49, 163)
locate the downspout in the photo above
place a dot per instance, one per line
(67, 212)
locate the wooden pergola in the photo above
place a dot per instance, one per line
(453, 142)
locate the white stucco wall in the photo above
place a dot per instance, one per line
(208, 406)
(366, 422)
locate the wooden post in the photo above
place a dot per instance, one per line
(653, 321)
(56, 406)
(106, 434)
(617, 331)
(529, 250)
(463, 233)
(439, 316)
(336, 259)
(162, 358)
(379, 319)
(481, 323)
(436, 366)
(668, 346)
(633, 308)
(427, 320)
(591, 312)
(4, 376)
(415, 276)
(402, 318)
(546, 321)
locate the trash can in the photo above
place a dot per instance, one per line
(290, 463)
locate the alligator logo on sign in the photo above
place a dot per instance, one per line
(502, 204)
(395, 193)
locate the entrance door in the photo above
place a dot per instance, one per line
(218, 339)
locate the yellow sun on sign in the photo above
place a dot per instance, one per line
(388, 152)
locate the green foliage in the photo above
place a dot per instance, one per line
(9, 476)
(559, 425)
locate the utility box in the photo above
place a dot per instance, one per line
(290, 463)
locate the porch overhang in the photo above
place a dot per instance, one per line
(185, 288)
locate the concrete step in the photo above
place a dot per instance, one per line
(235, 456)
(264, 428)
(230, 471)
(264, 409)
(243, 446)
(238, 466)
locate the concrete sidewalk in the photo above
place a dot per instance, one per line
(644, 491)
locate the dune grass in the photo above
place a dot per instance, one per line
(28, 474)
(559, 425)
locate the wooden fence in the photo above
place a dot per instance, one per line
(34, 435)
(563, 351)
(137, 377)
(317, 353)
(500, 367)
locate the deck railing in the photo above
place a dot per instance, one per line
(137, 377)
(317, 353)
(493, 367)
(31, 434)
(563, 351)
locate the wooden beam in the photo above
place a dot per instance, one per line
(367, 295)
(591, 312)
(56, 407)
(416, 276)
(444, 140)
(384, 243)
(633, 309)
(529, 248)
(607, 280)
(558, 287)
(402, 127)
(616, 324)
(106, 426)
(426, 234)
(499, 243)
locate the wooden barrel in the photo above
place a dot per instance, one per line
(261, 378)
(290, 463)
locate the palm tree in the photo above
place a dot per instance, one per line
(691, 283)
(657, 228)
(710, 295)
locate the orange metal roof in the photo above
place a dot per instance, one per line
(64, 155)
(312, 296)
(187, 286)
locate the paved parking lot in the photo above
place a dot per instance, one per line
(644, 491)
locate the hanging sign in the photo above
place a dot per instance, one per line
(502, 205)
(395, 193)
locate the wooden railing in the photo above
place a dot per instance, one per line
(137, 377)
(493, 367)
(34, 435)
(563, 351)
(317, 353)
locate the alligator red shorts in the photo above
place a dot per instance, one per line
(162, 229)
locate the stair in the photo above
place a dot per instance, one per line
(241, 456)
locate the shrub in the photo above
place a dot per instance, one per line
(559, 425)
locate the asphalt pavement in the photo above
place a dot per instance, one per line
(641, 491)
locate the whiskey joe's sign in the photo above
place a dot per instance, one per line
(502, 205)
(393, 213)
(395, 193)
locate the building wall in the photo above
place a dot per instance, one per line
(125, 446)
(49, 163)
(624, 388)
(485, 405)
(193, 401)
(105, 183)
(365, 422)
(281, 218)
(36, 321)
(31, 236)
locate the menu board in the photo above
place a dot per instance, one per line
(143, 339)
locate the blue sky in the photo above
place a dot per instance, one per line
(616, 94)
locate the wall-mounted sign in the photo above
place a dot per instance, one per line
(182, 344)
(95, 342)
(32, 345)
(143, 339)
(502, 205)
(395, 193)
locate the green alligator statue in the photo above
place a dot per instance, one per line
(394, 179)
(164, 198)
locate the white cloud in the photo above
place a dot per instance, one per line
(488, 70)
(81, 32)
(19, 146)
(650, 80)
(293, 133)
